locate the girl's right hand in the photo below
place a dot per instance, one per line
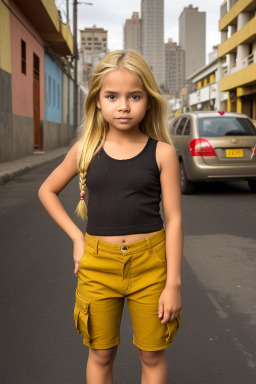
(78, 251)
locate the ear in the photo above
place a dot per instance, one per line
(149, 106)
(98, 103)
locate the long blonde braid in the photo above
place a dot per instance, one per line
(81, 209)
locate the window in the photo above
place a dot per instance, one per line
(180, 126)
(54, 93)
(23, 57)
(187, 128)
(58, 96)
(49, 90)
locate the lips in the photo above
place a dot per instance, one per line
(123, 119)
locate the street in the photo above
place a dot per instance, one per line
(216, 343)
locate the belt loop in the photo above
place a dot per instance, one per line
(95, 251)
(149, 245)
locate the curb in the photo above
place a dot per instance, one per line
(10, 170)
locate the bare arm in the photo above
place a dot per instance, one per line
(171, 196)
(53, 185)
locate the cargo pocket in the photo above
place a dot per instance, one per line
(81, 316)
(159, 252)
(172, 327)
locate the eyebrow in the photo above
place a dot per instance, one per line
(116, 93)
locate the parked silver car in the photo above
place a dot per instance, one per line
(214, 146)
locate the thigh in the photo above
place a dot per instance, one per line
(149, 278)
(98, 305)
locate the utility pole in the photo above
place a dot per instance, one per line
(76, 57)
(67, 11)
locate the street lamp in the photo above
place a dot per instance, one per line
(76, 57)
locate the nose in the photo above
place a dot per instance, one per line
(123, 106)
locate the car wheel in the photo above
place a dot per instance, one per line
(252, 185)
(187, 188)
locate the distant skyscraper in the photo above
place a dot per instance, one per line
(175, 68)
(94, 39)
(93, 47)
(192, 27)
(132, 32)
(152, 37)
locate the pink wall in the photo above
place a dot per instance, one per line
(22, 85)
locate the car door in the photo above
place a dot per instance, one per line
(178, 137)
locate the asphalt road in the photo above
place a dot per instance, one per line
(216, 342)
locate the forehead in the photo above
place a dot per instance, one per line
(121, 79)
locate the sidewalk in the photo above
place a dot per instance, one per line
(11, 169)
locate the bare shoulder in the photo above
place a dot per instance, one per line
(165, 154)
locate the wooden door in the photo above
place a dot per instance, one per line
(36, 103)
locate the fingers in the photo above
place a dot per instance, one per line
(167, 315)
(76, 268)
(160, 310)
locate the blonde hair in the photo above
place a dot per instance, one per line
(95, 128)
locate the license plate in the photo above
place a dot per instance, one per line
(234, 153)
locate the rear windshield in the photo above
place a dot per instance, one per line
(225, 126)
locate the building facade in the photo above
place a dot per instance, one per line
(94, 39)
(237, 53)
(93, 47)
(152, 37)
(132, 32)
(174, 69)
(204, 91)
(192, 32)
(33, 44)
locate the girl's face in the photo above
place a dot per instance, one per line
(123, 100)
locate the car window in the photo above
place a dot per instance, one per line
(225, 126)
(187, 128)
(180, 126)
(173, 124)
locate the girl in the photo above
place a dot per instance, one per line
(126, 160)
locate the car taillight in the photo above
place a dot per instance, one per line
(254, 152)
(201, 147)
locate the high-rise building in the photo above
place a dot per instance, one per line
(152, 37)
(132, 32)
(192, 27)
(94, 39)
(175, 68)
(93, 47)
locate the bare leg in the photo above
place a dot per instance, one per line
(99, 365)
(154, 367)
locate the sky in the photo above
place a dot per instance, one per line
(111, 15)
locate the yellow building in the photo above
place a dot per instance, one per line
(237, 53)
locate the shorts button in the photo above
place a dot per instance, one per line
(124, 248)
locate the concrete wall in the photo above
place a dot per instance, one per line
(16, 134)
(55, 135)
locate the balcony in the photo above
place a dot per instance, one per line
(245, 35)
(242, 76)
(236, 7)
(44, 16)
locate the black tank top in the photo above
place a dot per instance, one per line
(124, 195)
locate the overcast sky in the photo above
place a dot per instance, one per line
(111, 15)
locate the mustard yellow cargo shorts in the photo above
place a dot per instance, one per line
(110, 272)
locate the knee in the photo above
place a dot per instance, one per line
(103, 357)
(151, 358)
